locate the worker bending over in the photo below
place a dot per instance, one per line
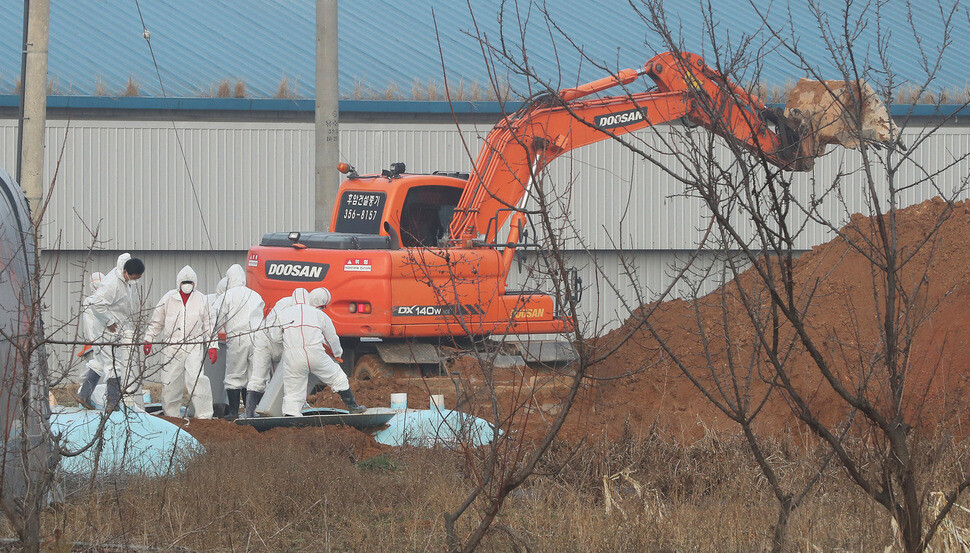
(310, 343)
(114, 307)
(240, 312)
(181, 320)
(266, 352)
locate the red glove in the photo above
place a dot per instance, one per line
(148, 348)
(213, 355)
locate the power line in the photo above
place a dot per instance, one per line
(148, 39)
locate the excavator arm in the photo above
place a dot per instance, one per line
(550, 125)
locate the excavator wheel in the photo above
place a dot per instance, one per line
(371, 367)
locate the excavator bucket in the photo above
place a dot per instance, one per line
(845, 113)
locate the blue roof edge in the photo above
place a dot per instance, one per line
(259, 104)
(360, 106)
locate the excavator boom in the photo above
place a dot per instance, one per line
(685, 87)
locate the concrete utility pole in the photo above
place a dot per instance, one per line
(33, 104)
(327, 137)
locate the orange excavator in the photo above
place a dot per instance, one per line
(415, 263)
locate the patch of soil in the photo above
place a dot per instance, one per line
(209, 431)
(843, 322)
(351, 441)
(217, 431)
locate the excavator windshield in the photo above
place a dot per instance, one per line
(426, 214)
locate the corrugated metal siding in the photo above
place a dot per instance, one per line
(259, 42)
(253, 178)
(622, 200)
(616, 283)
(131, 182)
(128, 181)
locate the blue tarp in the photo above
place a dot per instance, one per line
(434, 427)
(133, 442)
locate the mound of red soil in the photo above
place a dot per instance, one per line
(843, 321)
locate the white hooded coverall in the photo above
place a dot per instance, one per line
(187, 329)
(113, 303)
(91, 328)
(304, 329)
(266, 351)
(240, 312)
(214, 299)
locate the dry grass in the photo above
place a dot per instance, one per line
(430, 90)
(286, 90)
(239, 90)
(315, 490)
(391, 92)
(131, 87)
(223, 89)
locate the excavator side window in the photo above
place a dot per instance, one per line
(426, 215)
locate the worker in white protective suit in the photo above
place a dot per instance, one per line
(240, 312)
(181, 320)
(216, 373)
(214, 298)
(266, 353)
(114, 307)
(90, 330)
(310, 344)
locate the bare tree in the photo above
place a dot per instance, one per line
(762, 327)
(868, 368)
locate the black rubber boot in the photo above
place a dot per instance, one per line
(350, 402)
(252, 400)
(232, 413)
(218, 410)
(83, 397)
(112, 396)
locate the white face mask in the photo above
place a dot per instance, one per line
(187, 288)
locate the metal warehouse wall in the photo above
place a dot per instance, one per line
(202, 192)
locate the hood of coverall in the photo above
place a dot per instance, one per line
(319, 297)
(122, 259)
(187, 274)
(236, 276)
(300, 295)
(222, 286)
(94, 282)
